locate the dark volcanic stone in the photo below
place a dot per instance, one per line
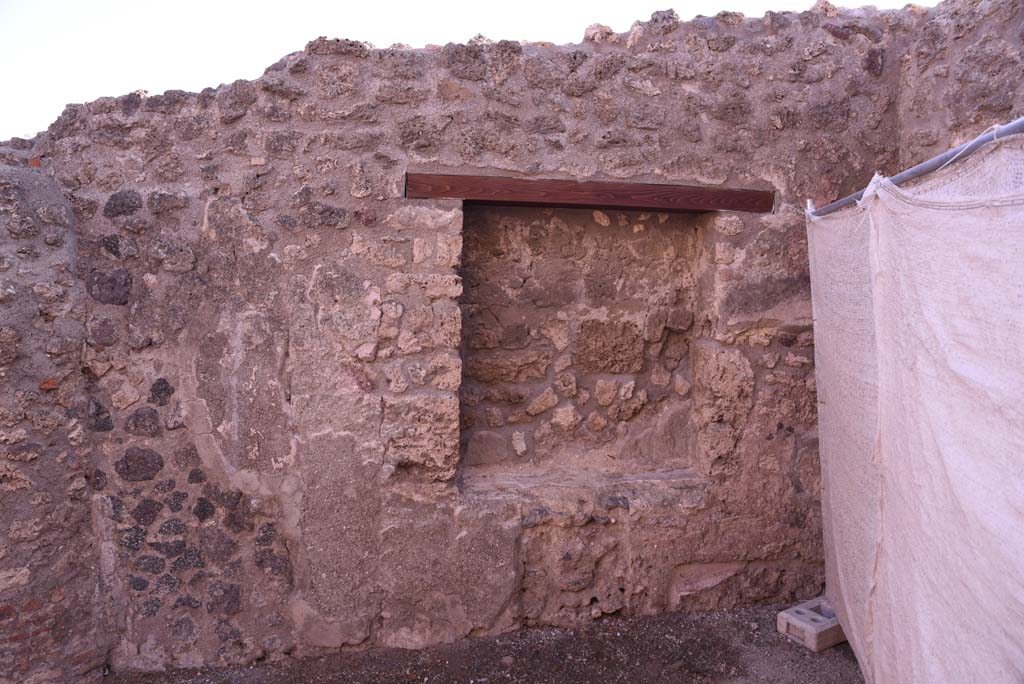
(98, 480)
(184, 629)
(151, 606)
(190, 558)
(133, 538)
(216, 544)
(169, 549)
(227, 499)
(119, 246)
(153, 565)
(287, 222)
(168, 103)
(168, 582)
(25, 451)
(225, 598)
(874, 61)
(196, 476)
(160, 392)
(114, 287)
(102, 332)
(176, 501)
(172, 526)
(238, 520)
(226, 631)
(129, 103)
(143, 422)
(187, 601)
(203, 509)
(139, 464)
(138, 583)
(146, 511)
(266, 535)
(117, 508)
(465, 61)
(122, 203)
(270, 562)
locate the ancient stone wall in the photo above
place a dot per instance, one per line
(575, 333)
(50, 599)
(254, 404)
(960, 74)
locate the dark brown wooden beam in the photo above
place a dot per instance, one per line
(556, 192)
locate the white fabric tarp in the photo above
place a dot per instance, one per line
(919, 341)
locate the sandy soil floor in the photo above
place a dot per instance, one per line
(736, 647)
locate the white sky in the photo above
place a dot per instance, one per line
(53, 52)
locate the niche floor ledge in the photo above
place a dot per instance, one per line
(576, 488)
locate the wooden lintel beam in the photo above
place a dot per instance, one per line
(557, 192)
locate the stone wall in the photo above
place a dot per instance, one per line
(50, 598)
(237, 367)
(960, 74)
(576, 337)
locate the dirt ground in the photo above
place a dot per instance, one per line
(737, 647)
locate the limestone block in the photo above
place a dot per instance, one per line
(542, 402)
(566, 417)
(421, 432)
(605, 391)
(422, 217)
(519, 443)
(609, 347)
(340, 520)
(447, 571)
(723, 397)
(516, 366)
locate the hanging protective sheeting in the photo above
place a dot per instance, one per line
(844, 349)
(919, 340)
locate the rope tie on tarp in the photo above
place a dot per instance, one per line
(993, 129)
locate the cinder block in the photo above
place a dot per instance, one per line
(812, 623)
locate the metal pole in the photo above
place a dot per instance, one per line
(933, 164)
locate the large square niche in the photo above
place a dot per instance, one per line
(577, 330)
